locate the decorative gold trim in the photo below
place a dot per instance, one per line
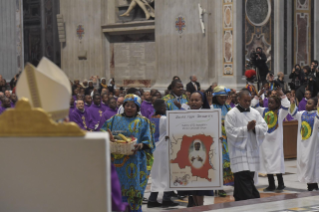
(32, 83)
(24, 121)
(56, 115)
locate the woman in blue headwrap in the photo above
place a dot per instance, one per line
(133, 170)
(219, 102)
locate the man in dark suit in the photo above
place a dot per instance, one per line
(193, 85)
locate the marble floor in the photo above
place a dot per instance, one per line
(292, 187)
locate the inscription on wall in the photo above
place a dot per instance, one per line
(134, 61)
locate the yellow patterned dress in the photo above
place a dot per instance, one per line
(133, 170)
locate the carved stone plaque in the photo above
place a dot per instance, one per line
(258, 11)
(134, 61)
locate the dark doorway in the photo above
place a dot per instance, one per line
(40, 31)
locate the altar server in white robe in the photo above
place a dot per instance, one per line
(271, 150)
(160, 171)
(307, 142)
(245, 130)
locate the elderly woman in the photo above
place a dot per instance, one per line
(133, 170)
(219, 102)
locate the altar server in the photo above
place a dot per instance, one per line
(307, 142)
(245, 130)
(160, 171)
(271, 150)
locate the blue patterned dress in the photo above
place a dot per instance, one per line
(133, 170)
(227, 174)
(169, 101)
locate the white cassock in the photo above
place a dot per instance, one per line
(271, 150)
(244, 145)
(307, 149)
(198, 154)
(160, 168)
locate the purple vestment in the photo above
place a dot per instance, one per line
(106, 116)
(83, 119)
(86, 106)
(104, 106)
(289, 118)
(117, 204)
(2, 109)
(147, 109)
(232, 105)
(12, 104)
(74, 97)
(302, 104)
(72, 108)
(265, 102)
(96, 112)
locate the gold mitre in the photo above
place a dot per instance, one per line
(46, 87)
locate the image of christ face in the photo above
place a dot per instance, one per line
(197, 154)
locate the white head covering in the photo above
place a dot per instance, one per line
(46, 87)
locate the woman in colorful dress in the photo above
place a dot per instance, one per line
(219, 102)
(176, 98)
(133, 170)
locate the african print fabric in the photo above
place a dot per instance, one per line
(227, 173)
(133, 170)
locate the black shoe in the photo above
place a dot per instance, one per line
(173, 194)
(269, 189)
(167, 204)
(190, 202)
(280, 187)
(154, 204)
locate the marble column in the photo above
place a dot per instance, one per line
(239, 65)
(289, 38)
(11, 38)
(279, 27)
(316, 30)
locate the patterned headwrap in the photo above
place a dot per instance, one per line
(221, 91)
(134, 98)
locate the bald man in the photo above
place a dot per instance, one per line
(81, 117)
(119, 101)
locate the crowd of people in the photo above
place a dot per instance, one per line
(252, 132)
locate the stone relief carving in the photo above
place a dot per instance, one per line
(144, 5)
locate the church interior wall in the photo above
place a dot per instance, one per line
(11, 48)
(186, 51)
(88, 14)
